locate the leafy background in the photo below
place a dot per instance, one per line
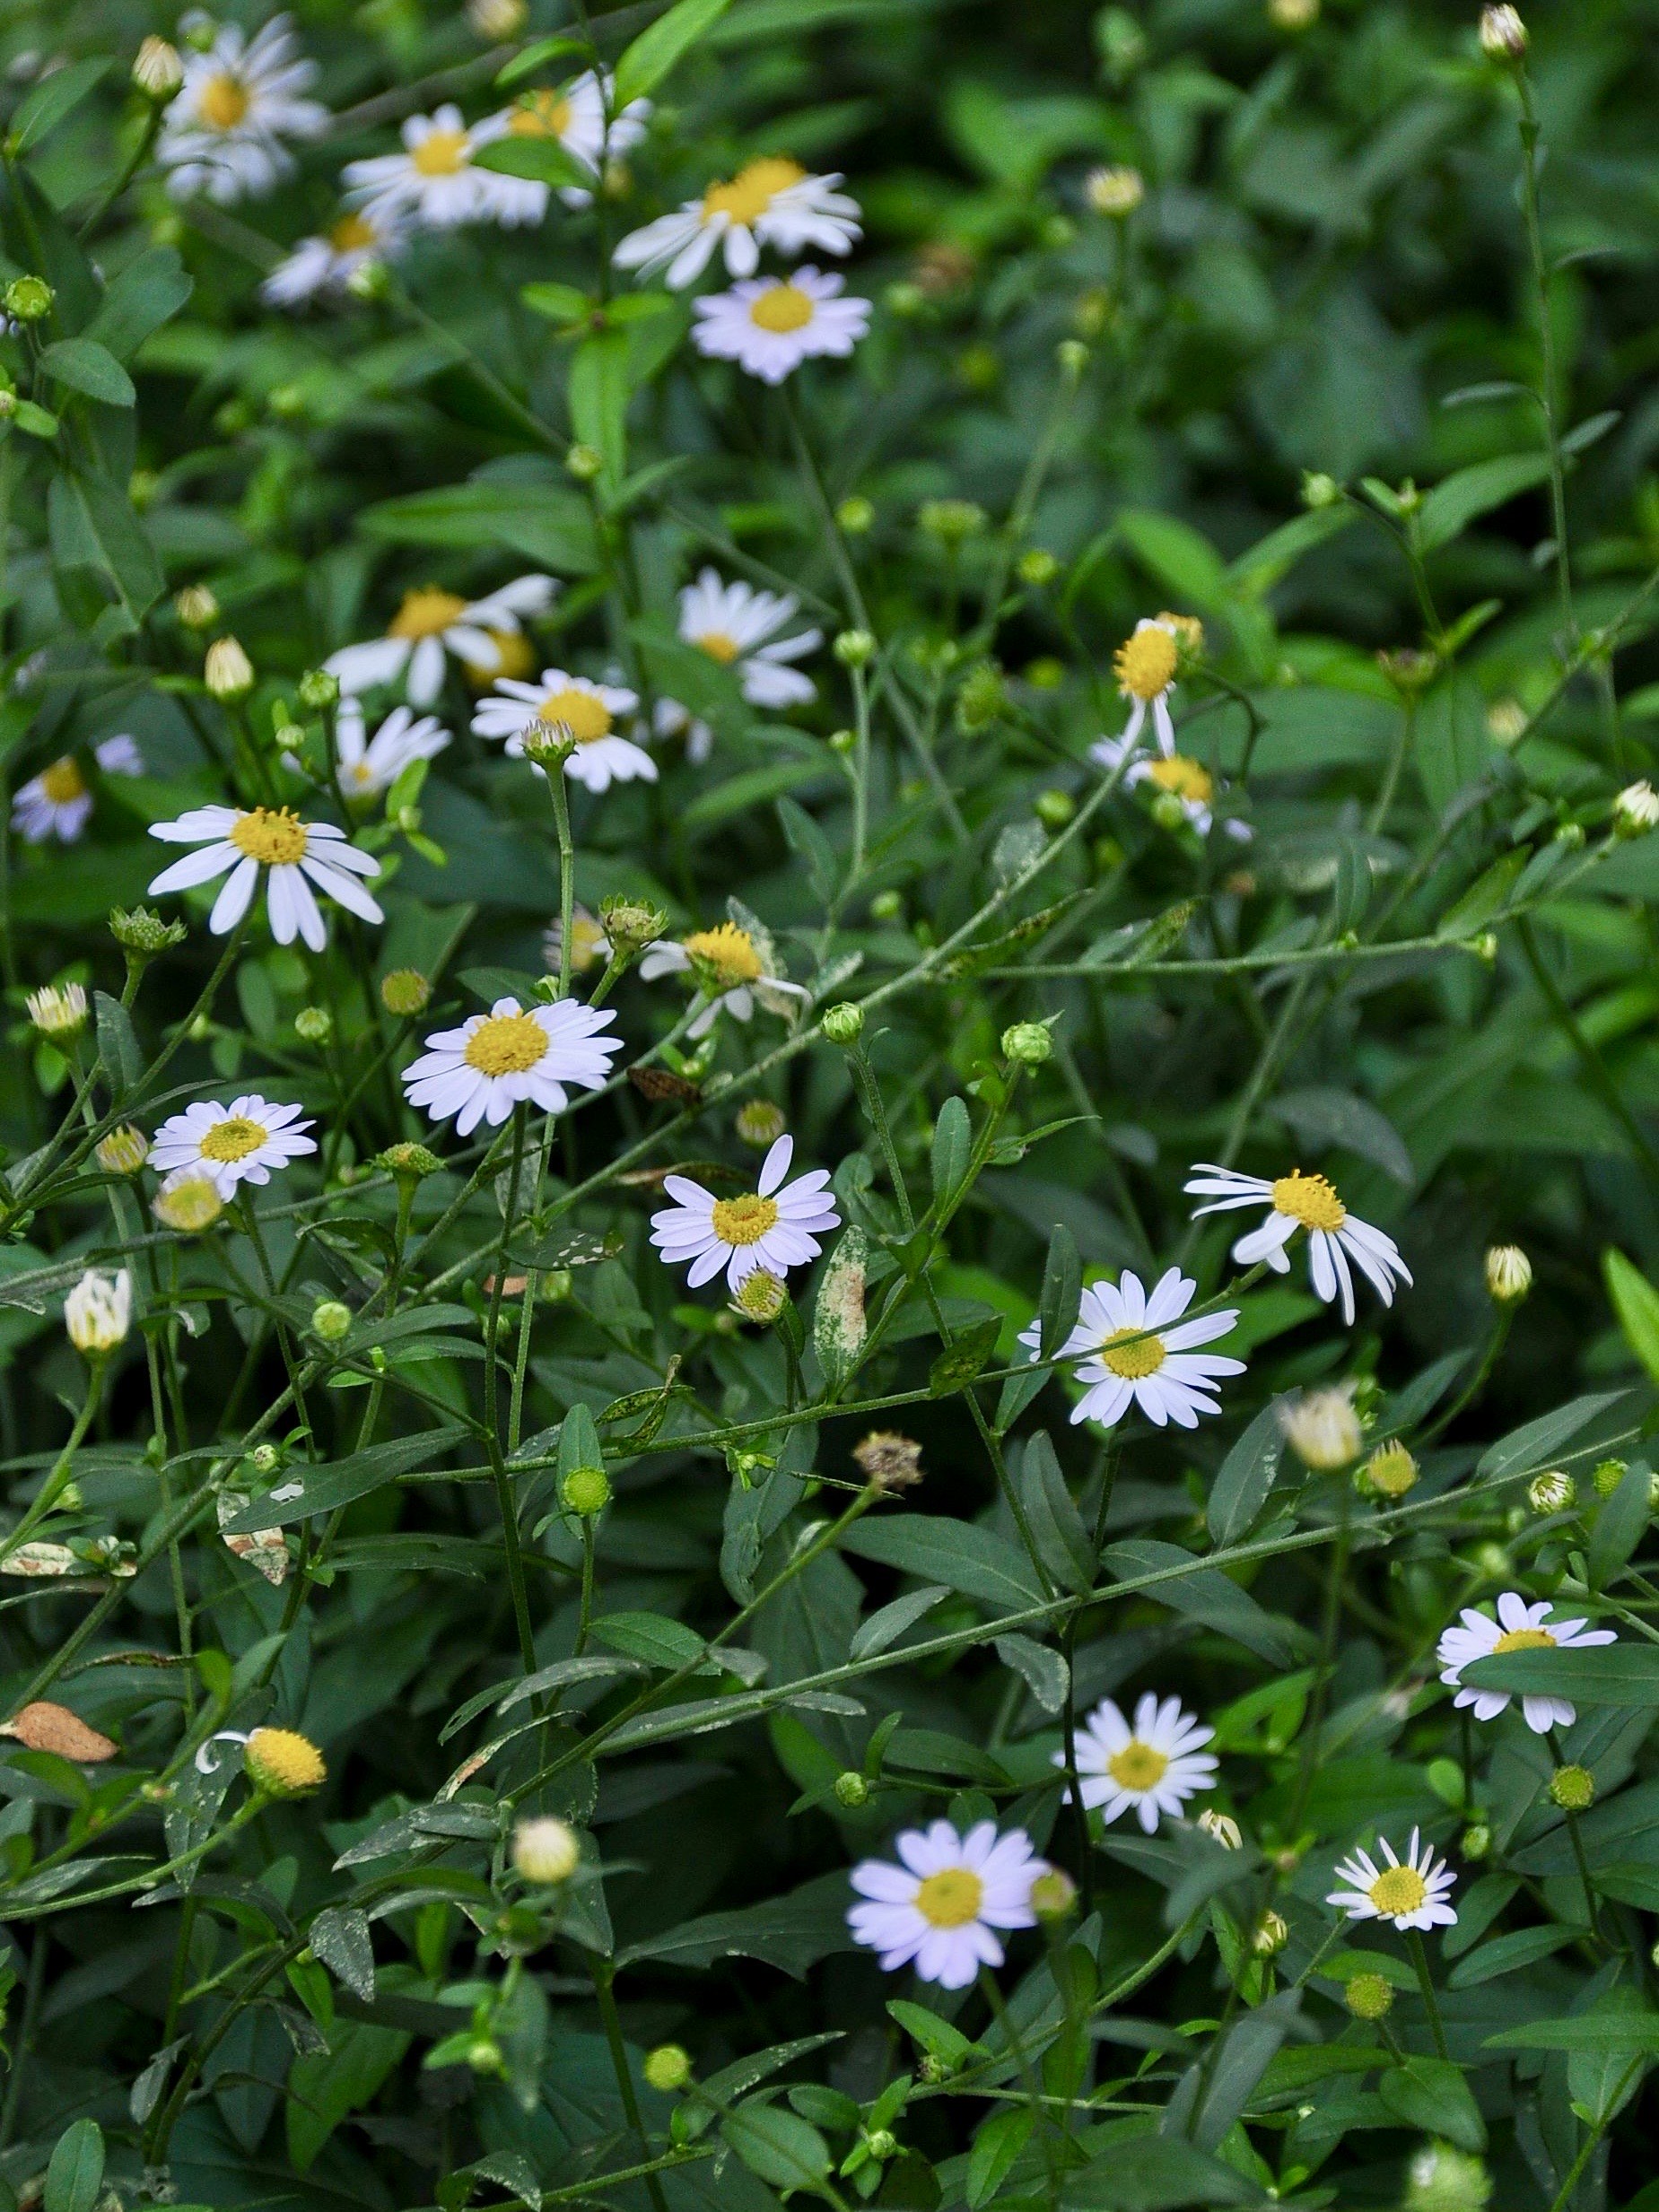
(1330, 275)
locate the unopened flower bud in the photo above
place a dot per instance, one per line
(950, 520)
(318, 690)
(852, 1789)
(584, 463)
(58, 1012)
(1116, 191)
(157, 70)
(548, 743)
(1322, 1429)
(760, 1297)
(1027, 1044)
(313, 1024)
(881, 2144)
(1053, 1894)
(1370, 1997)
(1223, 1828)
(1503, 34)
(843, 1023)
(1293, 14)
(668, 2068)
(483, 2056)
(1071, 357)
(1608, 1475)
(1441, 2178)
(1477, 1840)
(760, 1123)
(406, 992)
(1505, 722)
(124, 1151)
(227, 671)
(143, 932)
(1271, 1935)
(1389, 1473)
(331, 1320)
(98, 1311)
(1636, 810)
(1554, 1493)
(497, 21)
(631, 924)
(414, 1161)
(1037, 568)
(855, 515)
(1053, 808)
(982, 697)
(854, 648)
(586, 1492)
(283, 1764)
(28, 299)
(195, 607)
(188, 1202)
(1509, 1274)
(546, 1851)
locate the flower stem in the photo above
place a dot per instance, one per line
(1431, 2003)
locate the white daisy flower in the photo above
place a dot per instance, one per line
(326, 263)
(240, 1143)
(775, 1226)
(370, 765)
(1519, 1627)
(1298, 1201)
(943, 1905)
(57, 802)
(434, 183)
(1186, 780)
(737, 625)
(770, 324)
(1411, 1894)
(575, 116)
(295, 854)
(1136, 1350)
(1155, 1766)
(513, 1054)
(589, 946)
(223, 133)
(732, 967)
(588, 710)
(1145, 667)
(768, 203)
(431, 623)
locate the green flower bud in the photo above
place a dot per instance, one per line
(1026, 1043)
(668, 2068)
(586, 1492)
(852, 1789)
(1573, 1788)
(854, 648)
(318, 690)
(330, 1320)
(584, 463)
(843, 1023)
(1368, 1997)
(28, 299)
(855, 515)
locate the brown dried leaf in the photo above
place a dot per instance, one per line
(46, 1727)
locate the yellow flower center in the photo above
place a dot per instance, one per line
(1134, 1355)
(1146, 663)
(506, 1044)
(1309, 1199)
(746, 1221)
(751, 191)
(1184, 777)
(424, 612)
(729, 951)
(950, 1898)
(514, 657)
(1399, 1891)
(542, 114)
(784, 308)
(272, 836)
(1524, 1640)
(588, 941)
(441, 154)
(284, 1762)
(63, 782)
(222, 102)
(358, 772)
(351, 234)
(1137, 1766)
(233, 1139)
(587, 719)
(719, 645)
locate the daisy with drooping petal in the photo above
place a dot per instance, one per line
(589, 711)
(295, 854)
(768, 203)
(1145, 668)
(223, 131)
(1298, 1201)
(434, 182)
(942, 1905)
(240, 1143)
(574, 117)
(57, 802)
(431, 623)
(366, 766)
(1410, 1893)
(1519, 1627)
(1186, 780)
(326, 263)
(770, 324)
(775, 1226)
(733, 967)
(1155, 1766)
(1136, 1350)
(510, 1056)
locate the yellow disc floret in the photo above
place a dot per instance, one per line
(743, 1221)
(951, 1898)
(585, 715)
(222, 102)
(728, 952)
(283, 1764)
(719, 646)
(1145, 664)
(271, 835)
(1309, 1199)
(1137, 1766)
(424, 612)
(751, 192)
(63, 782)
(783, 309)
(1398, 1890)
(1523, 1639)
(506, 1044)
(541, 114)
(1131, 1355)
(233, 1139)
(441, 154)
(352, 234)
(1184, 777)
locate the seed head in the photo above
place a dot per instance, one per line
(1573, 1788)
(1370, 1997)
(331, 1320)
(142, 931)
(1509, 1274)
(1554, 1493)
(545, 1850)
(1321, 1429)
(889, 1461)
(157, 70)
(58, 1011)
(668, 2068)
(760, 1123)
(631, 924)
(1117, 190)
(283, 1764)
(406, 992)
(411, 1160)
(227, 671)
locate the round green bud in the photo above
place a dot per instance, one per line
(557, 1285)
(951, 520)
(584, 463)
(1608, 1475)
(881, 2144)
(844, 1022)
(545, 1850)
(1026, 1043)
(852, 1789)
(1477, 1840)
(843, 741)
(1071, 356)
(854, 648)
(1053, 1894)
(330, 1320)
(855, 515)
(668, 2068)
(28, 299)
(585, 1491)
(1573, 1788)
(483, 2055)
(1554, 1493)
(1442, 2178)
(886, 906)
(317, 690)
(313, 1024)
(1053, 809)
(1493, 1561)
(406, 991)
(934, 2070)
(1038, 567)
(1368, 1997)
(411, 1160)
(264, 1458)
(760, 1123)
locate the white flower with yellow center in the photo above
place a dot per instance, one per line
(732, 967)
(1519, 1627)
(1145, 668)
(736, 626)
(240, 1143)
(1298, 1201)
(589, 946)
(768, 203)
(775, 1226)
(223, 131)
(366, 766)
(1155, 1766)
(58, 802)
(326, 263)
(943, 1905)
(770, 324)
(1410, 1893)
(295, 854)
(432, 621)
(574, 117)
(599, 756)
(1136, 1350)
(434, 183)
(1185, 779)
(511, 1055)
(98, 1311)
